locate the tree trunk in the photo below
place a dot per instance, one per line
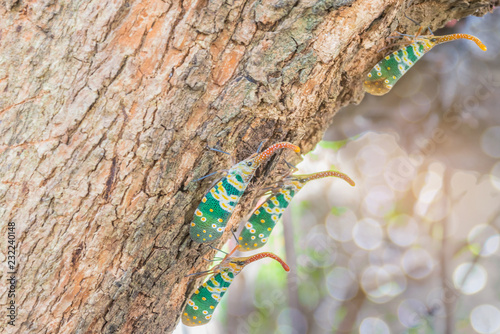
(106, 111)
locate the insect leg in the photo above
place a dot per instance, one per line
(216, 259)
(220, 250)
(234, 235)
(200, 273)
(260, 146)
(217, 150)
(204, 177)
(233, 159)
(292, 167)
(412, 20)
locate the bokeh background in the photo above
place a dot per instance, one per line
(414, 247)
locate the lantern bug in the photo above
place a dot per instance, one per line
(202, 304)
(392, 67)
(257, 229)
(216, 207)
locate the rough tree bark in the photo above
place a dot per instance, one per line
(106, 110)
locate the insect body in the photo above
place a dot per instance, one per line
(256, 231)
(391, 68)
(216, 207)
(202, 304)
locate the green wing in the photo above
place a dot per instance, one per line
(257, 230)
(389, 70)
(202, 304)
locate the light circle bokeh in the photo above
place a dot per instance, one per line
(340, 227)
(495, 175)
(490, 140)
(383, 283)
(341, 283)
(410, 312)
(403, 230)
(470, 278)
(367, 234)
(484, 240)
(485, 319)
(417, 263)
(371, 160)
(373, 325)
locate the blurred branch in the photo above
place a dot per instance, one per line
(443, 261)
(353, 306)
(477, 256)
(291, 258)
